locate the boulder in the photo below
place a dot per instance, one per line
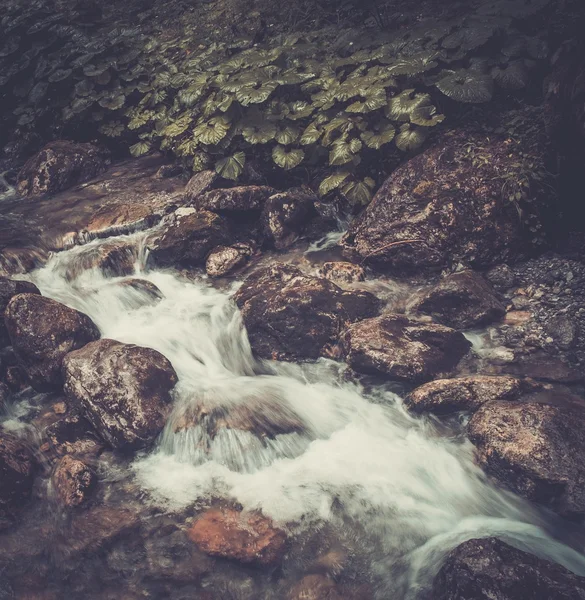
(8, 289)
(314, 587)
(73, 481)
(342, 272)
(119, 219)
(249, 538)
(461, 300)
(446, 396)
(489, 569)
(123, 389)
(290, 316)
(284, 215)
(73, 434)
(60, 165)
(234, 200)
(186, 238)
(17, 470)
(446, 205)
(535, 448)
(42, 332)
(199, 184)
(224, 260)
(403, 349)
(113, 258)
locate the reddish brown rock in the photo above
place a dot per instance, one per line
(17, 469)
(462, 300)
(117, 219)
(8, 289)
(187, 237)
(403, 349)
(236, 199)
(42, 332)
(290, 316)
(342, 272)
(245, 537)
(535, 448)
(445, 396)
(60, 165)
(73, 481)
(123, 389)
(489, 569)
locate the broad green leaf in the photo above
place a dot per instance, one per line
(287, 158)
(231, 167)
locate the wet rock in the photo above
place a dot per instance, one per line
(73, 481)
(187, 237)
(342, 272)
(123, 389)
(73, 434)
(236, 199)
(91, 530)
(8, 289)
(442, 207)
(486, 569)
(535, 449)
(245, 537)
(4, 396)
(17, 469)
(60, 165)
(112, 258)
(143, 292)
(502, 277)
(224, 260)
(314, 587)
(461, 300)
(544, 367)
(445, 396)
(563, 330)
(119, 219)
(285, 214)
(42, 332)
(403, 349)
(199, 184)
(290, 316)
(170, 170)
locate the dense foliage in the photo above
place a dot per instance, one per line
(321, 101)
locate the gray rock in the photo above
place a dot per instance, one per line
(403, 349)
(489, 569)
(224, 260)
(42, 332)
(501, 277)
(290, 316)
(535, 448)
(462, 300)
(123, 389)
(445, 396)
(342, 272)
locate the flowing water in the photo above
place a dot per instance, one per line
(397, 491)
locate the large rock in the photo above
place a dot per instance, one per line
(42, 332)
(73, 481)
(187, 237)
(446, 205)
(445, 396)
(224, 260)
(290, 316)
(123, 389)
(284, 215)
(236, 199)
(17, 469)
(535, 449)
(489, 569)
(245, 537)
(403, 349)
(60, 165)
(462, 300)
(8, 289)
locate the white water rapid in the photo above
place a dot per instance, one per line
(402, 490)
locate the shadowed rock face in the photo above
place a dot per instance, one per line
(314, 587)
(461, 300)
(245, 537)
(224, 260)
(489, 569)
(445, 396)
(441, 207)
(73, 481)
(123, 389)
(284, 215)
(8, 289)
(43, 332)
(236, 199)
(535, 449)
(16, 474)
(60, 165)
(402, 349)
(290, 316)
